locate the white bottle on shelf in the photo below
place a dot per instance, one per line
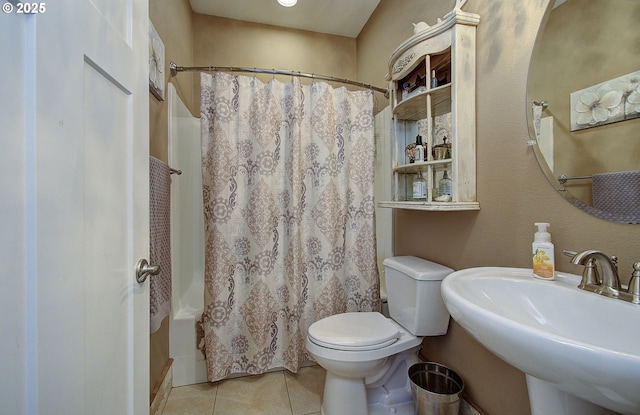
(418, 151)
(419, 188)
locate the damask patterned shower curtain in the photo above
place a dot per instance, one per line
(289, 211)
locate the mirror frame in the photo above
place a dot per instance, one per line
(533, 142)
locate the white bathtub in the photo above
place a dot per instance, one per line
(187, 243)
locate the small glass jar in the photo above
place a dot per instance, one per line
(444, 185)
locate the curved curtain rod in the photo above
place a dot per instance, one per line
(175, 69)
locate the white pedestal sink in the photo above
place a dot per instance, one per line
(580, 350)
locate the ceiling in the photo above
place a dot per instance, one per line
(336, 17)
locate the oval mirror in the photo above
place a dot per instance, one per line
(584, 105)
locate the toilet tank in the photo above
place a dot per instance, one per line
(413, 292)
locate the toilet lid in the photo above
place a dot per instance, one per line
(354, 331)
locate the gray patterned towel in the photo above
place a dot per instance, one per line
(617, 193)
(160, 240)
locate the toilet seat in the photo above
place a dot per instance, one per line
(354, 331)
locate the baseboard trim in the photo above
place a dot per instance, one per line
(469, 407)
(160, 392)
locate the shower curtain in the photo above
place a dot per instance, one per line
(289, 217)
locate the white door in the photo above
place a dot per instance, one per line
(74, 321)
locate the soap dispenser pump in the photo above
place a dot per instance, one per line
(543, 256)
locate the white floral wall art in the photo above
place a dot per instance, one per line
(605, 103)
(156, 63)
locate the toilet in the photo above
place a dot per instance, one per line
(367, 355)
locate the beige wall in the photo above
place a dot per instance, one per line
(227, 42)
(512, 190)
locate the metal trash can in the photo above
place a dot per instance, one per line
(436, 389)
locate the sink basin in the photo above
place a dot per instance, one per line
(580, 350)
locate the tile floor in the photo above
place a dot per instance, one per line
(277, 393)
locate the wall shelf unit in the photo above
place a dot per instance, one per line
(443, 113)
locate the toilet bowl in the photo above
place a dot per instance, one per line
(352, 371)
(367, 355)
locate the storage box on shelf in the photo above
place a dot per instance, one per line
(442, 112)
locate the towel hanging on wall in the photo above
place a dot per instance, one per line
(617, 192)
(159, 240)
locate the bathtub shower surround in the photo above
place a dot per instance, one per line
(159, 240)
(289, 216)
(187, 243)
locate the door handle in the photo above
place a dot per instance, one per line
(144, 270)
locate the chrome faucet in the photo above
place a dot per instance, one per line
(610, 283)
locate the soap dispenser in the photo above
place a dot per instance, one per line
(543, 256)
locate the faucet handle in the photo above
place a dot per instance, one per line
(634, 282)
(568, 253)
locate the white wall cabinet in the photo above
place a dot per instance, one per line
(448, 109)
